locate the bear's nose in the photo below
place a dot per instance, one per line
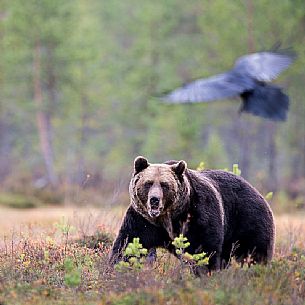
(154, 202)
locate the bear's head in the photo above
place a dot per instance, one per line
(159, 192)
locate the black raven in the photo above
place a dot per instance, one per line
(248, 79)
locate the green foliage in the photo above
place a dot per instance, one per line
(72, 273)
(181, 243)
(135, 249)
(200, 259)
(201, 166)
(18, 201)
(135, 255)
(101, 72)
(214, 150)
(269, 196)
(236, 171)
(64, 226)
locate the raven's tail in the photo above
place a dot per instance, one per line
(267, 101)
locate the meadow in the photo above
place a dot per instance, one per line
(59, 256)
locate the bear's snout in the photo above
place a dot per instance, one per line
(154, 206)
(154, 202)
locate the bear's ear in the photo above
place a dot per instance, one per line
(179, 168)
(140, 163)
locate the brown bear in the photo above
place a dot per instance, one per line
(220, 213)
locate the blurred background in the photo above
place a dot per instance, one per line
(77, 86)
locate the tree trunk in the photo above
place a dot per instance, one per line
(5, 142)
(245, 129)
(51, 83)
(43, 118)
(244, 150)
(272, 154)
(81, 171)
(250, 13)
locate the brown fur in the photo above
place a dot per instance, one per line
(159, 180)
(215, 210)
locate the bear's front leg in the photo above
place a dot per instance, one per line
(134, 225)
(206, 236)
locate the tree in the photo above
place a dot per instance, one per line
(38, 28)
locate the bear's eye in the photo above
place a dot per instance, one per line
(164, 185)
(148, 184)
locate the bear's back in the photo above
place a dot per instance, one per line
(248, 216)
(236, 192)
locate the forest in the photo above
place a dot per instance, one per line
(80, 82)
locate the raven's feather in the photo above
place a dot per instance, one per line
(267, 101)
(247, 79)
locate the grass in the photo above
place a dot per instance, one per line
(60, 260)
(17, 201)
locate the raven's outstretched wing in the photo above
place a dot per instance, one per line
(248, 79)
(217, 87)
(264, 66)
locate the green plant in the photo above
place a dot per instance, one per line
(236, 171)
(181, 243)
(72, 273)
(134, 255)
(269, 196)
(201, 166)
(64, 227)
